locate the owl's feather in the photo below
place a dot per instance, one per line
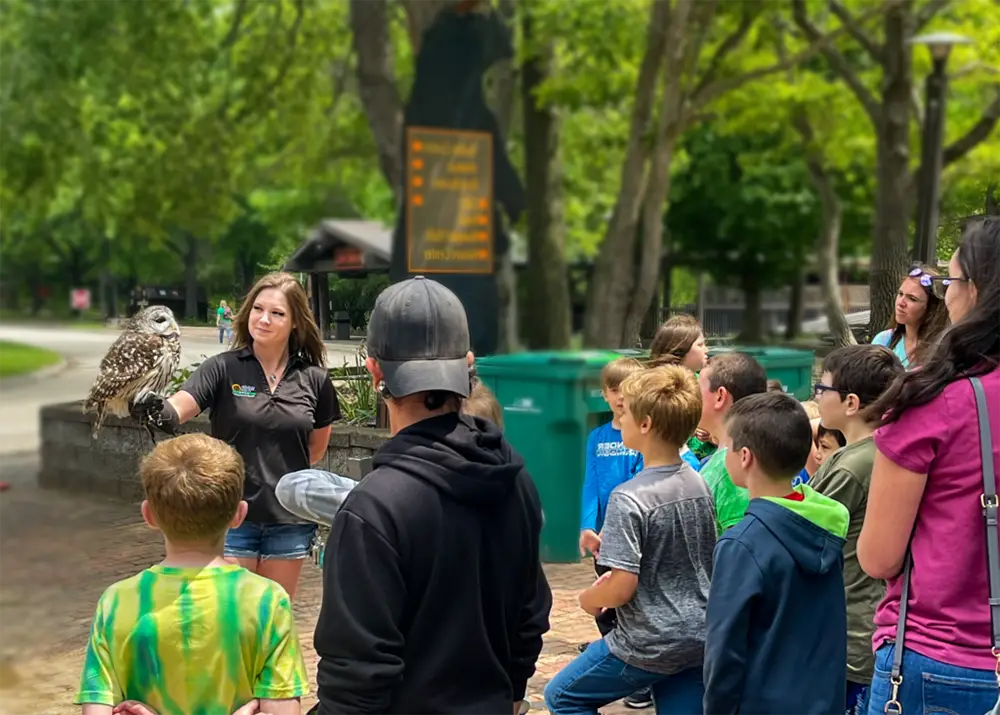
(139, 360)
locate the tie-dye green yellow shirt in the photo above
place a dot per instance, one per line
(189, 641)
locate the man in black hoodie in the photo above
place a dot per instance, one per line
(434, 599)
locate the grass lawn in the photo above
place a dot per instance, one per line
(18, 359)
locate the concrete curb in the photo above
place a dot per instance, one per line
(31, 378)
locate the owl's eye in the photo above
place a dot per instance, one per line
(161, 319)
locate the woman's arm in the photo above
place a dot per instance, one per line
(184, 405)
(319, 440)
(893, 500)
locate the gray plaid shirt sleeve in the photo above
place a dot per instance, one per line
(313, 494)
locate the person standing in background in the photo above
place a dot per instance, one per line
(224, 322)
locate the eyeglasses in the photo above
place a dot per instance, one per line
(819, 388)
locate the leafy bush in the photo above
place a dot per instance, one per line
(358, 400)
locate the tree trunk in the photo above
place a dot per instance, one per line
(893, 204)
(611, 286)
(827, 250)
(191, 278)
(829, 260)
(502, 96)
(796, 305)
(658, 187)
(753, 322)
(377, 82)
(547, 278)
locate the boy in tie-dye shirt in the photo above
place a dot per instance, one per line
(193, 634)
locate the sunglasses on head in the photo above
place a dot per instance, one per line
(927, 280)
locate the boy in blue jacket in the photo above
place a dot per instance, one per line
(764, 653)
(609, 463)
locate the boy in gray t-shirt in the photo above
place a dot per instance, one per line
(658, 539)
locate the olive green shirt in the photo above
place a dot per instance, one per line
(731, 501)
(845, 476)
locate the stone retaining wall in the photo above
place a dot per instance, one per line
(72, 460)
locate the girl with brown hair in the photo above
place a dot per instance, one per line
(919, 319)
(270, 397)
(680, 341)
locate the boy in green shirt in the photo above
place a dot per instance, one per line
(729, 377)
(853, 378)
(194, 633)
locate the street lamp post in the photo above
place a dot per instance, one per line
(928, 189)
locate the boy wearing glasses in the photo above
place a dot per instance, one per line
(853, 378)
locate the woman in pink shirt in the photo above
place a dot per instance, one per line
(925, 492)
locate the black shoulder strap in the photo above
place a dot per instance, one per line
(990, 506)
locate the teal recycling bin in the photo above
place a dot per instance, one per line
(551, 401)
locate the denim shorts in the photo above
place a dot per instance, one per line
(270, 541)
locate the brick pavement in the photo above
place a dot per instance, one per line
(59, 551)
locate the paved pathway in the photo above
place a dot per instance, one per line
(21, 399)
(58, 552)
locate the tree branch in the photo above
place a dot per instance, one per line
(234, 27)
(977, 133)
(838, 63)
(856, 31)
(928, 13)
(728, 44)
(818, 45)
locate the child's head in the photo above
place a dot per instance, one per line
(854, 377)
(728, 378)
(662, 406)
(775, 386)
(482, 403)
(812, 410)
(612, 377)
(826, 442)
(768, 437)
(194, 489)
(679, 341)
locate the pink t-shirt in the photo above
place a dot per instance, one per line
(949, 617)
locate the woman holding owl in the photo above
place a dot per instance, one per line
(271, 398)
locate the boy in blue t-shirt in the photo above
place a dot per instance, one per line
(609, 463)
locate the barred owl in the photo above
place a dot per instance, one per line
(142, 359)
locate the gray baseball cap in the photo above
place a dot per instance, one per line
(419, 334)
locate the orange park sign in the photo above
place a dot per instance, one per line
(449, 201)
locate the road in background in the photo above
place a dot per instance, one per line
(21, 398)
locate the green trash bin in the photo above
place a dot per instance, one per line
(793, 368)
(551, 401)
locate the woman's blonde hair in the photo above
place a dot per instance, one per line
(305, 339)
(673, 341)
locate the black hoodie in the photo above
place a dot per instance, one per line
(434, 599)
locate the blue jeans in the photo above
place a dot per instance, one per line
(858, 697)
(596, 677)
(930, 686)
(270, 541)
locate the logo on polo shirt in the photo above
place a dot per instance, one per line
(244, 390)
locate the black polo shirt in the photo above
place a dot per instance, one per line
(269, 430)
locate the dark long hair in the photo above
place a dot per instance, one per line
(972, 345)
(933, 323)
